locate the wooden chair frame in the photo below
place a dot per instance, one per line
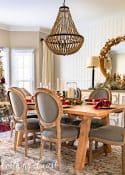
(106, 119)
(22, 118)
(44, 125)
(102, 88)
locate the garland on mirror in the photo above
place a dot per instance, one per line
(114, 82)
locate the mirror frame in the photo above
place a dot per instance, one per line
(104, 53)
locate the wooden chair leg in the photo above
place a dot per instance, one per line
(105, 149)
(41, 148)
(12, 128)
(15, 140)
(34, 137)
(96, 144)
(50, 145)
(58, 151)
(123, 160)
(59, 154)
(26, 143)
(20, 137)
(11, 133)
(90, 152)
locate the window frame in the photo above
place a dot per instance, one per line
(33, 65)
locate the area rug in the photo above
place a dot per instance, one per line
(12, 163)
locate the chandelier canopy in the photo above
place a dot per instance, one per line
(64, 38)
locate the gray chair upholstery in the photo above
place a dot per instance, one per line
(21, 123)
(20, 108)
(67, 132)
(32, 124)
(111, 135)
(50, 111)
(17, 104)
(48, 108)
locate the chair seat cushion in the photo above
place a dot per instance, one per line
(32, 124)
(67, 131)
(109, 133)
(96, 123)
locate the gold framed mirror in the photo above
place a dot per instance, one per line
(104, 53)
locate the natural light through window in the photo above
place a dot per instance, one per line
(22, 68)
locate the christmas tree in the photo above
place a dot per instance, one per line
(4, 124)
(2, 79)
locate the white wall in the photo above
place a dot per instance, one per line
(25, 39)
(4, 38)
(73, 68)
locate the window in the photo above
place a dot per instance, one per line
(22, 68)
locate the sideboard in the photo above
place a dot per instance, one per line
(118, 97)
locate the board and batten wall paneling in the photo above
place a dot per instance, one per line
(73, 67)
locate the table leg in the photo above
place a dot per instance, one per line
(20, 137)
(106, 122)
(82, 145)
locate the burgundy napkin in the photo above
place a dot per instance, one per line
(104, 103)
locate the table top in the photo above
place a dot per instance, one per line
(89, 110)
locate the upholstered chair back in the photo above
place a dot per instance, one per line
(48, 106)
(17, 100)
(101, 93)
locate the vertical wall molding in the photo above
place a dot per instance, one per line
(73, 68)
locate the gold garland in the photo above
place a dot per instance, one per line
(104, 53)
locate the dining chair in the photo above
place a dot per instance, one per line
(112, 135)
(95, 94)
(22, 124)
(95, 122)
(66, 119)
(49, 109)
(29, 115)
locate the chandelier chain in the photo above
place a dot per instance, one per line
(64, 3)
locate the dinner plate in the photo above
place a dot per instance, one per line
(89, 102)
(106, 108)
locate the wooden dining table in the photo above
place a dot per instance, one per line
(86, 113)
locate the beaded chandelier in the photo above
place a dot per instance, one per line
(64, 38)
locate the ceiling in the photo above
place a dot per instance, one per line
(42, 13)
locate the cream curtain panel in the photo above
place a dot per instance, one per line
(47, 67)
